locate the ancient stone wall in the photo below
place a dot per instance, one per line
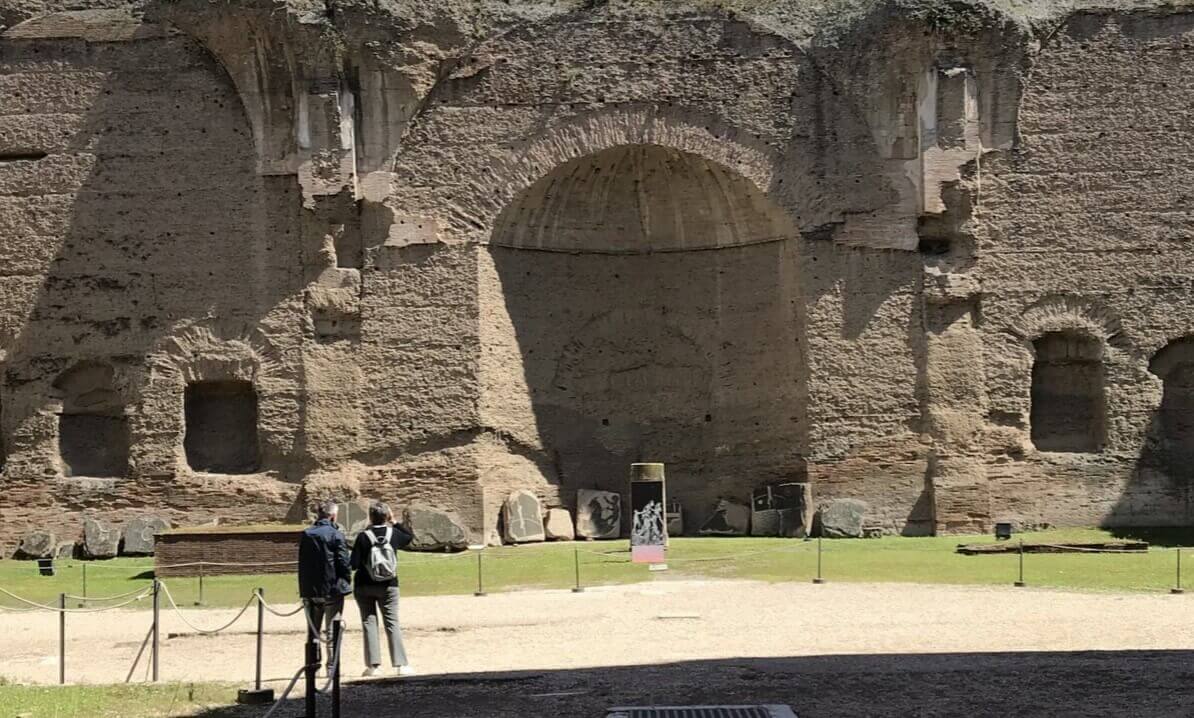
(928, 259)
(1084, 234)
(140, 247)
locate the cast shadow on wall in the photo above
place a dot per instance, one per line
(169, 226)
(1162, 483)
(656, 316)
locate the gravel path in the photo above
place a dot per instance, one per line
(664, 621)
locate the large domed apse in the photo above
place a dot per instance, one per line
(638, 199)
(684, 347)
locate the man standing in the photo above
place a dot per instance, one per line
(323, 570)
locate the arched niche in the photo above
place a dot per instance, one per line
(644, 306)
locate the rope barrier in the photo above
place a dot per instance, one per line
(286, 693)
(226, 565)
(59, 609)
(104, 598)
(197, 629)
(276, 612)
(1082, 549)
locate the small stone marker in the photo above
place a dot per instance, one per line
(353, 518)
(39, 544)
(675, 518)
(139, 534)
(598, 514)
(558, 525)
(100, 539)
(433, 530)
(781, 510)
(842, 518)
(729, 518)
(523, 518)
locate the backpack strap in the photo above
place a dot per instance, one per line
(372, 536)
(389, 532)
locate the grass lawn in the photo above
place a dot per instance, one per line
(898, 559)
(169, 699)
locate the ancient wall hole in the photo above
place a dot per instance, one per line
(93, 433)
(1068, 405)
(221, 427)
(1175, 366)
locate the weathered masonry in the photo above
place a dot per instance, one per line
(928, 254)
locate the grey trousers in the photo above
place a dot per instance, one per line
(373, 600)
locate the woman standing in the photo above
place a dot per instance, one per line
(375, 586)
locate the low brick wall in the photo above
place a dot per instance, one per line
(189, 552)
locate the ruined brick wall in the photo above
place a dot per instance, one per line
(1085, 230)
(137, 235)
(523, 250)
(175, 554)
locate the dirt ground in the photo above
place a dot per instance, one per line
(812, 647)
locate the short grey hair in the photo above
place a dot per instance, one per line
(327, 508)
(379, 512)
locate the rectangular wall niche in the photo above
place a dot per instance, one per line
(1068, 408)
(93, 432)
(221, 427)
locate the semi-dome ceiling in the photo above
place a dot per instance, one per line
(637, 199)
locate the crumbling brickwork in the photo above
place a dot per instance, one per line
(927, 255)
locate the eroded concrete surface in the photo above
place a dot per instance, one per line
(930, 255)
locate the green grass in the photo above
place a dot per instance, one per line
(888, 559)
(177, 699)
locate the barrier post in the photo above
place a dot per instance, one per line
(576, 558)
(312, 664)
(1177, 586)
(257, 695)
(260, 636)
(84, 581)
(819, 579)
(337, 636)
(62, 639)
(1020, 583)
(200, 601)
(157, 610)
(480, 582)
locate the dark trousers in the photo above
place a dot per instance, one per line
(321, 612)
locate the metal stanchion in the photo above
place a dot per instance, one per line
(576, 558)
(62, 639)
(257, 695)
(1020, 583)
(480, 581)
(200, 601)
(337, 635)
(84, 584)
(1177, 586)
(819, 578)
(312, 665)
(157, 626)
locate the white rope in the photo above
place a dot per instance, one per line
(285, 693)
(197, 629)
(1079, 549)
(275, 611)
(44, 607)
(786, 549)
(226, 565)
(105, 598)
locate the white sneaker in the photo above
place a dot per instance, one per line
(406, 671)
(370, 672)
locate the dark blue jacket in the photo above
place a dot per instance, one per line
(323, 570)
